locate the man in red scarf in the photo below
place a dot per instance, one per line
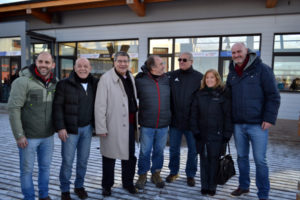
(30, 115)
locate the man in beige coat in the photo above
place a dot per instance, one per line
(115, 121)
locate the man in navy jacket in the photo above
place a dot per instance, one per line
(255, 104)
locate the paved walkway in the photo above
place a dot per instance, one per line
(283, 158)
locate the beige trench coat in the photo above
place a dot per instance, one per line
(112, 116)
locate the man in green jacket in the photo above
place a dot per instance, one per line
(30, 115)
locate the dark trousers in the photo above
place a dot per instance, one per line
(128, 166)
(209, 161)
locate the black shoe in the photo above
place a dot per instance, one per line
(106, 192)
(131, 189)
(46, 198)
(81, 193)
(204, 191)
(65, 196)
(239, 192)
(211, 192)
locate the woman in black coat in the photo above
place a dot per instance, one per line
(211, 125)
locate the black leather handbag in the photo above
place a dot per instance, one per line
(226, 168)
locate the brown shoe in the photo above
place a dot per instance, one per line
(172, 177)
(156, 179)
(190, 181)
(65, 196)
(81, 193)
(239, 192)
(140, 184)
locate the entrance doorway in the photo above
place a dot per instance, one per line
(9, 71)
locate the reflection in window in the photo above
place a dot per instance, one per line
(10, 46)
(161, 46)
(287, 43)
(205, 51)
(99, 53)
(252, 42)
(286, 69)
(67, 49)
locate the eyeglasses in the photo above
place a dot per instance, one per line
(183, 60)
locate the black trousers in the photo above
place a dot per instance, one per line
(209, 161)
(128, 166)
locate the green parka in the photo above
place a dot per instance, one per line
(30, 106)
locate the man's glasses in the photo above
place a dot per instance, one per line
(123, 61)
(182, 59)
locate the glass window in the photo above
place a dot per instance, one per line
(205, 52)
(287, 61)
(66, 66)
(252, 42)
(287, 43)
(287, 72)
(67, 49)
(161, 46)
(10, 46)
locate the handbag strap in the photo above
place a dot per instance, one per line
(228, 147)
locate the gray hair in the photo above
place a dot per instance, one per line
(121, 53)
(189, 54)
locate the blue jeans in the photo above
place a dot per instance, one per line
(175, 143)
(44, 149)
(243, 135)
(156, 138)
(81, 142)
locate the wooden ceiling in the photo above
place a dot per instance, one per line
(44, 10)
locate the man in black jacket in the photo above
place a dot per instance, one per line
(73, 112)
(184, 83)
(153, 91)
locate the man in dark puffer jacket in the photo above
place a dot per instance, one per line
(73, 116)
(153, 91)
(255, 104)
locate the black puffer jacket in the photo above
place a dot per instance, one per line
(66, 103)
(184, 84)
(154, 100)
(211, 115)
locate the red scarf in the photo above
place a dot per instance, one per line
(42, 77)
(239, 69)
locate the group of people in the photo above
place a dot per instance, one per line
(146, 109)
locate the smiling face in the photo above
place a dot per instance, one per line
(210, 80)
(44, 64)
(121, 64)
(239, 53)
(82, 68)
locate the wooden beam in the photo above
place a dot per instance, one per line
(41, 15)
(89, 5)
(137, 7)
(46, 4)
(271, 3)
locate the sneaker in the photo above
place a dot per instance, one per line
(172, 177)
(140, 184)
(65, 196)
(106, 192)
(190, 181)
(46, 198)
(239, 192)
(81, 193)
(131, 189)
(156, 179)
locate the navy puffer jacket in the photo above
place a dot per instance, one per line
(255, 97)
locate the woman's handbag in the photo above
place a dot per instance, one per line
(226, 168)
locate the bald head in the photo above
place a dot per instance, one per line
(82, 68)
(239, 53)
